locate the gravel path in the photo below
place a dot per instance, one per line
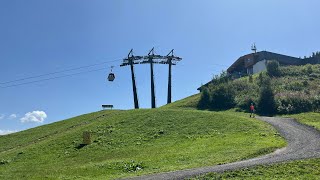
(303, 142)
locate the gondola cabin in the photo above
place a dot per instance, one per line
(111, 77)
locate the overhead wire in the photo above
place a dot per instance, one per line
(57, 77)
(62, 76)
(13, 82)
(57, 72)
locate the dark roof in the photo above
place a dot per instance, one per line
(283, 59)
(264, 55)
(259, 56)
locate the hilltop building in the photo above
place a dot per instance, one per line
(256, 62)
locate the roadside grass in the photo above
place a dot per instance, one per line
(310, 118)
(301, 169)
(132, 143)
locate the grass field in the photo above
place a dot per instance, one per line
(311, 119)
(190, 102)
(302, 169)
(131, 143)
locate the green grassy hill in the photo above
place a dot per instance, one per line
(134, 142)
(300, 169)
(190, 102)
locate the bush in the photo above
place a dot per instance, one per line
(307, 69)
(295, 86)
(291, 103)
(316, 103)
(219, 79)
(222, 97)
(244, 103)
(204, 102)
(273, 68)
(266, 103)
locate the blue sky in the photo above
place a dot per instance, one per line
(43, 36)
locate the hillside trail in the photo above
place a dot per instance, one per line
(303, 142)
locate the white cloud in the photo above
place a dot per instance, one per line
(4, 132)
(2, 116)
(34, 116)
(13, 116)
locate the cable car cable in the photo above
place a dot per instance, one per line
(56, 72)
(57, 77)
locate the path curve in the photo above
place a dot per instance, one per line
(303, 142)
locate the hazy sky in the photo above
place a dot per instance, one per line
(43, 36)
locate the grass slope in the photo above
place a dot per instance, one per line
(190, 102)
(311, 119)
(305, 169)
(302, 169)
(131, 143)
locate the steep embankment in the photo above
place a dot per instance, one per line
(131, 143)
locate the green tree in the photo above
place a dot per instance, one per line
(273, 68)
(263, 79)
(222, 97)
(266, 102)
(204, 102)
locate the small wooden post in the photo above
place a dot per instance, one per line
(86, 137)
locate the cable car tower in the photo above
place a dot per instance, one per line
(170, 60)
(151, 59)
(130, 60)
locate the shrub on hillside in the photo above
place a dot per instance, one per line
(263, 80)
(204, 102)
(219, 79)
(273, 68)
(293, 102)
(295, 86)
(244, 102)
(316, 103)
(222, 96)
(245, 94)
(266, 103)
(307, 69)
(300, 70)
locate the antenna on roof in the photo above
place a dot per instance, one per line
(254, 48)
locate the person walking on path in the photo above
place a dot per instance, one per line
(252, 110)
